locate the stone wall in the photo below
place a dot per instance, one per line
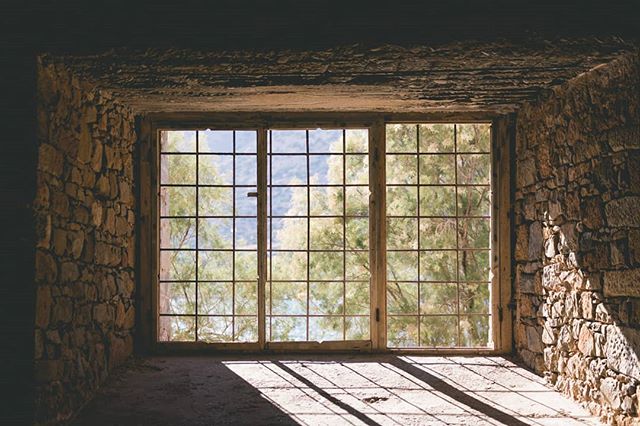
(84, 264)
(578, 238)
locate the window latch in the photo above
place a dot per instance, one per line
(252, 194)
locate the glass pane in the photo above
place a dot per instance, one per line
(289, 265)
(326, 201)
(474, 298)
(178, 201)
(474, 331)
(402, 137)
(245, 205)
(215, 233)
(177, 329)
(178, 141)
(402, 265)
(357, 236)
(215, 329)
(437, 169)
(215, 298)
(357, 299)
(438, 298)
(215, 265)
(288, 141)
(402, 169)
(326, 298)
(246, 233)
(402, 201)
(246, 170)
(177, 169)
(437, 233)
(357, 265)
(402, 233)
(287, 202)
(325, 169)
(326, 266)
(289, 233)
(215, 201)
(177, 298)
(436, 138)
(178, 233)
(246, 265)
(215, 169)
(439, 331)
(357, 202)
(437, 201)
(357, 140)
(402, 298)
(246, 298)
(246, 329)
(474, 265)
(178, 265)
(474, 137)
(322, 140)
(288, 298)
(246, 141)
(357, 172)
(474, 233)
(402, 332)
(216, 141)
(474, 201)
(326, 233)
(474, 169)
(288, 169)
(325, 328)
(438, 265)
(288, 329)
(357, 328)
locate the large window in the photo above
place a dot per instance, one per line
(438, 235)
(264, 236)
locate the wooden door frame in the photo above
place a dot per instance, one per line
(503, 136)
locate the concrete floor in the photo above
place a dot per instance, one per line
(329, 390)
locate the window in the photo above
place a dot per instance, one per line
(370, 235)
(438, 235)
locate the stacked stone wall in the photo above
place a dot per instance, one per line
(577, 247)
(84, 264)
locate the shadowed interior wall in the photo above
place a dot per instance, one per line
(578, 237)
(84, 265)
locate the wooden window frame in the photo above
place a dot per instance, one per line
(502, 143)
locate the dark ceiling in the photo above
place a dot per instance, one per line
(85, 26)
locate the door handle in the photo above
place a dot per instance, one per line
(252, 194)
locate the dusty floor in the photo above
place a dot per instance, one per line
(312, 390)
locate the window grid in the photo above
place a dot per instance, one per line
(308, 185)
(419, 314)
(197, 316)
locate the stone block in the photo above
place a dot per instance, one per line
(62, 310)
(534, 339)
(623, 212)
(46, 267)
(591, 211)
(586, 343)
(535, 241)
(622, 350)
(50, 160)
(624, 282)
(43, 306)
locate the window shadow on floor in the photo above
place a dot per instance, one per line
(455, 393)
(349, 409)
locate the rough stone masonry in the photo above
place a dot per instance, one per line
(85, 242)
(578, 238)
